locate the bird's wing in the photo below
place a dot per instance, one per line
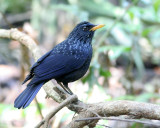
(56, 65)
(30, 75)
(40, 60)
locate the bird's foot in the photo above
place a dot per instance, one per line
(66, 88)
(47, 96)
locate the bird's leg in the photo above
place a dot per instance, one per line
(68, 91)
(66, 86)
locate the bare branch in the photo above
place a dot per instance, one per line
(45, 121)
(116, 108)
(14, 34)
(118, 119)
(14, 18)
(38, 107)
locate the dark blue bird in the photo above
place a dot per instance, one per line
(66, 62)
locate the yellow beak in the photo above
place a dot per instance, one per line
(97, 27)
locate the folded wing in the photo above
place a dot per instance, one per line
(55, 66)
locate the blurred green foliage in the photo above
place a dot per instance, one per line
(15, 6)
(131, 35)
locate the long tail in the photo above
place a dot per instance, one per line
(26, 97)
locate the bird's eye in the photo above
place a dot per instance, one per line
(85, 28)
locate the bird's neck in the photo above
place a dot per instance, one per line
(80, 41)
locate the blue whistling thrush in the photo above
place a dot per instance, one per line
(66, 62)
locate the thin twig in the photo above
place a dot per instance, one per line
(45, 121)
(38, 107)
(6, 20)
(117, 119)
(104, 125)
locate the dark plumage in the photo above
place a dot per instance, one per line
(66, 62)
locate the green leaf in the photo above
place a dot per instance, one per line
(90, 78)
(145, 97)
(131, 15)
(125, 97)
(41, 105)
(117, 50)
(156, 5)
(104, 73)
(137, 57)
(23, 114)
(114, 48)
(5, 107)
(145, 32)
(137, 125)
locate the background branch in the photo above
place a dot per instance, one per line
(45, 121)
(14, 18)
(14, 34)
(38, 107)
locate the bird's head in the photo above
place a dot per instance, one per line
(84, 31)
